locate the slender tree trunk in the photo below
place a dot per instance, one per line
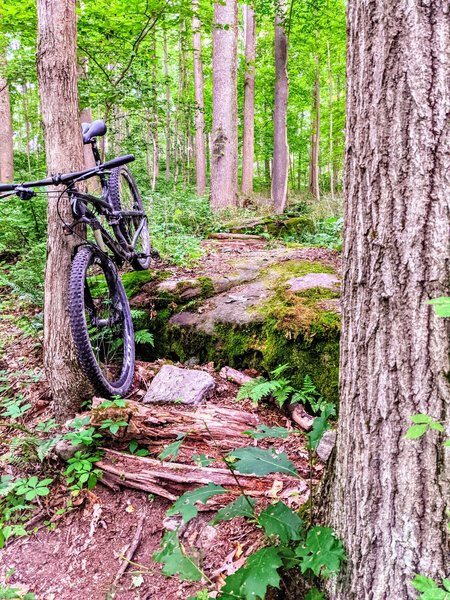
(299, 166)
(154, 117)
(57, 74)
(280, 144)
(6, 130)
(224, 161)
(200, 158)
(337, 160)
(388, 495)
(166, 77)
(315, 137)
(330, 105)
(248, 146)
(26, 117)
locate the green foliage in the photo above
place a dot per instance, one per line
(262, 432)
(175, 560)
(422, 424)
(12, 593)
(87, 437)
(202, 460)
(279, 520)
(256, 461)
(33, 487)
(320, 425)
(115, 402)
(321, 553)
(14, 408)
(172, 450)
(314, 594)
(113, 425)
(186, 504)
(243, 506)
(82, 472)
(144, 337)
(441, 306)
(430, 590)
(133, 447)
(328, 234)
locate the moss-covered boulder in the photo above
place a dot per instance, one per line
(280, 307)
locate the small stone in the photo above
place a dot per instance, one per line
(192, 362)
(65, 449)
(326, 445)
(187, 386)
(312, 280)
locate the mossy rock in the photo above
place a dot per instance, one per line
(295, 226)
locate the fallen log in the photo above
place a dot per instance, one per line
(158, 424)
(170, 479)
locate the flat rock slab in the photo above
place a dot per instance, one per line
(172, 384)
(312, 280)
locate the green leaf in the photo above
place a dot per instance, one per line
(252, 580)
(441, 306)
(322, 552)
(320, 425)
(185, 505)
(257, 461)
(132, 446)
(202, 460)
(175, 559)
(264, 431)
(278, 519)
(422, 583)
(421, 418)
(416, 431)
(243, 506)
(171, 451)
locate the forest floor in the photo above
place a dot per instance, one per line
(76, 543)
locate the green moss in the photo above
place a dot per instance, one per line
(289, 227)
(296, 268)
(207, 286)
(134, 280)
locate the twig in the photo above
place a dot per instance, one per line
(131, 550)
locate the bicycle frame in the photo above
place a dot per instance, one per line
(121, 249)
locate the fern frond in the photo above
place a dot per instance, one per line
(247, 388)
(280, 370)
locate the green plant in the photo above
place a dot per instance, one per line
(144, 337)
(133, 447)
(87, 437)
(12, 593)
(15, 408)
(113, 425)
(257, 389)
(82, 472)
(32, 487)
(430, 589)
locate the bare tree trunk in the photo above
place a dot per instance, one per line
(154, 117)
(200, 158)
(57, 74)
(388, 495)
(26, 117)
(6, 130)
(224, 161)
(248, 146)
(166, 77)
(280, 145)
(315, 137)
(330, 105)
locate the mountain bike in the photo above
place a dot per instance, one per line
(116, 231)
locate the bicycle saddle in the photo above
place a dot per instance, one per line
(92, 130)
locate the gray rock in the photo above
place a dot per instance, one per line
(326, 445)
(65, 449)
(312, 280)
(207, 537)
(172, 384)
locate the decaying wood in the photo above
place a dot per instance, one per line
(234, 236)
(301, 417)
(170, 479)
(158, 425)
(234, 375)
(131, 549)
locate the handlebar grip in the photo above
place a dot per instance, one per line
(117, 162)
(8, 187)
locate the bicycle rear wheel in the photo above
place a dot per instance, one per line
(101, 323)
(124, 195)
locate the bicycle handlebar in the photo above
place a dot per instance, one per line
(67, 177)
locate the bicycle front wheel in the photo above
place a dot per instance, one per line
(101, 323)
(124, 195)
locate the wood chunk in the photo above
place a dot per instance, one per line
(234, 375)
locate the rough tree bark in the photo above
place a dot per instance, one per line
(166, 77)
(248, 145)
(280, 144)
(315, 137)
(200, 158)
(387, 496)
(57, 74)
(6, 130)
(330, 106)
(224, 159)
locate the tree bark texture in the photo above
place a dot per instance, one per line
(6, 130)
(280, 144)
(224, 160)
(388, 495)
(330, 105)
(315, 137)
(248, 145)
(167, 132)
(57, 74)
(200, 158)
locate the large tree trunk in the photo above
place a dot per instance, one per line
(224, 126)
(330, 106)
(315, 137)
(6, 130)
(248, 146)
(280, 144)
(200, 158)
(388, 495)
(57, 73)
